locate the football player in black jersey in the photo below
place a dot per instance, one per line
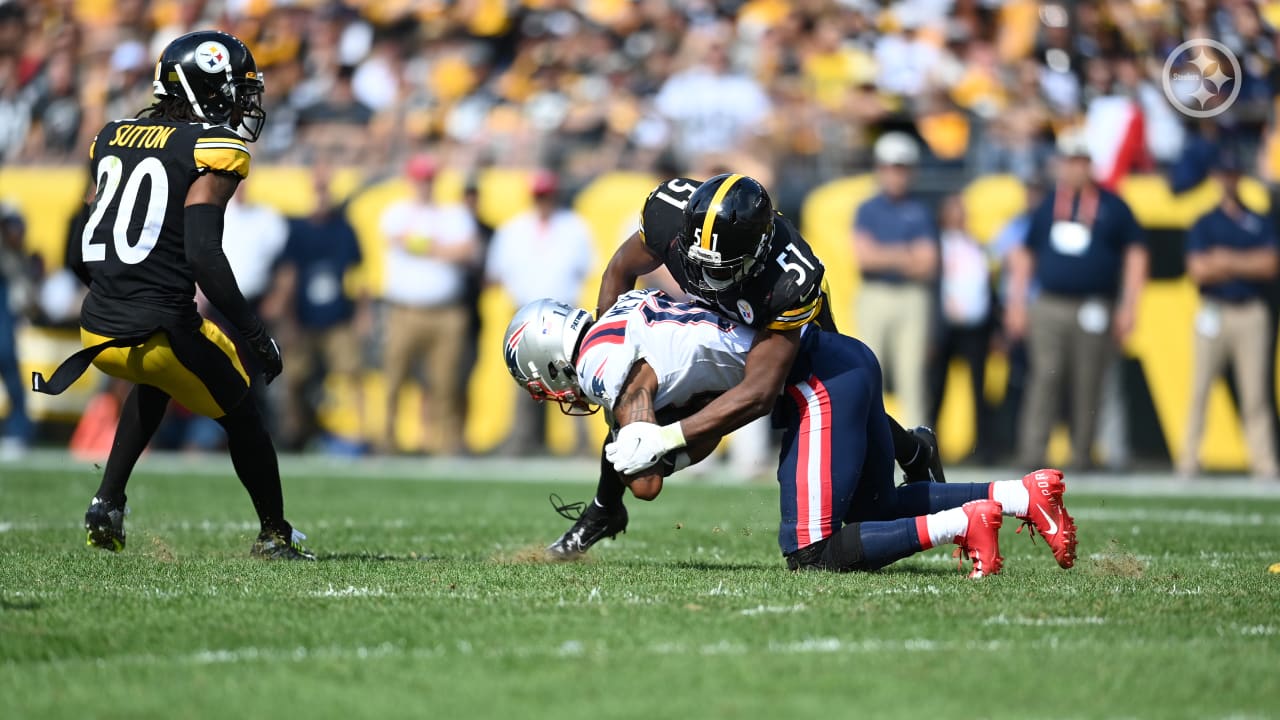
(154, 232)
(727, 248)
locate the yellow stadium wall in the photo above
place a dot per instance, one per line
(1162, 342)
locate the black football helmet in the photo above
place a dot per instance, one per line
(217, 76)
(728, 228)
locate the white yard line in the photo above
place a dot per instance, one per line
(350, 591)
(573, 648)
(1050, 621)
(463, 648)
(773, 609)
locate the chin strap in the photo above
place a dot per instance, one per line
(191, 96)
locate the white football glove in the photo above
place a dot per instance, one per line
(641, 445)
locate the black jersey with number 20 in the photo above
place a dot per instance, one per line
(787, 294)
(132, 246)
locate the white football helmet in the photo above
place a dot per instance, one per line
(540, 347)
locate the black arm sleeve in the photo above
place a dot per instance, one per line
(203, 243)
(74, 256)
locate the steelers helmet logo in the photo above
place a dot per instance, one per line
(212, 57)
(746, 311)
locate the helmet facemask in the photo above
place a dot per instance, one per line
(236, 104)
(248, 116)
(710, 273)
(727, 233)
(570, 397)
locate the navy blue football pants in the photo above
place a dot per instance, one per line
(837, 463)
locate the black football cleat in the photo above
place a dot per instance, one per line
(925, 469)
(592, 524)
(104, 525)
(274, 546)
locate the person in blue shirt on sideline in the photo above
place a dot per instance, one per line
(329, 324)
(1231, 255)
(896, 244)
(1087, 255)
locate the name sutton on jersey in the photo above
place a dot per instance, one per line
(141, 136)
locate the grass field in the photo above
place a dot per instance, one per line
(428, 604)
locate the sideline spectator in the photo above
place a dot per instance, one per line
(1005, 421)
(546, 252)
(1087, 255)
(897, 251)
(17, 428)
(474, 286)
(1231, 254)
(253, 238)
(428, 249)
(329, 327)
(966, 316)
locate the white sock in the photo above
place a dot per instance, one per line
(941, 528)
(1013, 495)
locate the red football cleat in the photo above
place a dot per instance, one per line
(981, 539)
(1047, 515)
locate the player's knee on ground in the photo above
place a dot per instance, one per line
(841, 552)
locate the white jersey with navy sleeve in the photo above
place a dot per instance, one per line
(691, 349)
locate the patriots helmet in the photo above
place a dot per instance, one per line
(540, 347)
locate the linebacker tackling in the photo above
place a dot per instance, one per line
(840, 510)
(736, 256)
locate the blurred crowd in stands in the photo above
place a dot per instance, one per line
(587, 86)
(794, 92)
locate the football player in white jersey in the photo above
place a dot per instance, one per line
(732, 253)
(648, 356)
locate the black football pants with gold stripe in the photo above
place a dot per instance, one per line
(202, 371)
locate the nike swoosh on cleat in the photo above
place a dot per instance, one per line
(1053, 526)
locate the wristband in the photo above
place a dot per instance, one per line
(672, 436)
